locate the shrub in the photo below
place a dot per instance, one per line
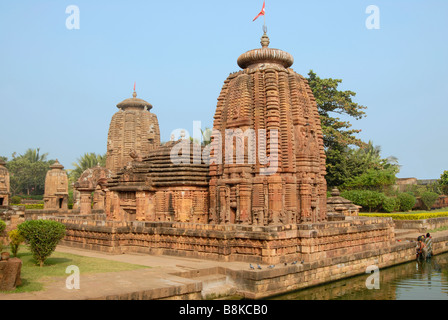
(15, 238)
(43, 236)
(15, 200)
(2, 229)
(428, 199)
(370, 200)
(407, 201)
(391, 204)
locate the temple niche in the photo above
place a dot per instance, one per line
(133, 132)
(280, 176)
(56, 188)
(4, 184)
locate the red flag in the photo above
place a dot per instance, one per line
(261, 13)
(134, 86)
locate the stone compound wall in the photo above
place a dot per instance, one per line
(422, 225)
(268, 245)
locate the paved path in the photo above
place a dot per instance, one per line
(155, 282)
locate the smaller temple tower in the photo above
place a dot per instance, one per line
(133, 133)
(4, 184)
(56, 188)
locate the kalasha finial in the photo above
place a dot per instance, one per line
(265, 40)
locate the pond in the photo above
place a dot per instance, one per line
(409, 281)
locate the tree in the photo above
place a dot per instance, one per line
(330, 100)
(347, 157)
(87, 161)
(429, 199)
(443, 182)
(33, 155)
(28, 171)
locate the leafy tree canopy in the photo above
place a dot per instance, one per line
(350, 161)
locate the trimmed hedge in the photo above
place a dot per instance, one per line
(406, 216)
(43, 236)
(36, 206)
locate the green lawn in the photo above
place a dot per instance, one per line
(33, 276)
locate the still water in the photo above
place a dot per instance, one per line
(410, 281)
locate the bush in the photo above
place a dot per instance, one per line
(370, 200)
(428, 199)
(391, 204)
(15, 200)
(15, 238)
(2, 229)
(407, 201)
(43, 236)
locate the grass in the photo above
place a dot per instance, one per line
(34, 277)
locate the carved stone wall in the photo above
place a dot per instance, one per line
(4, 184)
(269, 245)
(156, 189)
(133, 132)
(56, 188)
(280, 176)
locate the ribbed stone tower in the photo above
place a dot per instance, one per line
(4, 184)
(56, 188)
(133, 133)
(286, 183)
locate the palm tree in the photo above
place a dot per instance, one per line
(87, 161)
(33, 155)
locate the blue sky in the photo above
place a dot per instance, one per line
(59, 88)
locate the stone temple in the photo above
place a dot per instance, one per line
(255, 194)
(4, 184)
(56, 188)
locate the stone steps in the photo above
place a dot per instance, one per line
(216, 286)
(401, 234)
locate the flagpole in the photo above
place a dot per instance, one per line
(265, 29)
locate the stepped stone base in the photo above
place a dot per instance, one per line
(267, 245)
